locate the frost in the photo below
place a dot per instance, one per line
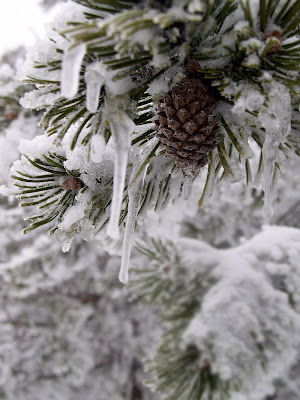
(70, 70)
(122, 128)
(94, 82)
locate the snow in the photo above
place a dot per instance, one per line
(71, 67)
(97, 148)
(250, 98)
(72, 215)
(38, 146)
(243, 310)
(158, 87)
(252, 61)
(37, 100)
(195, 6)
(20, 128)
(66, 247)
(160, 61)
(122, 128)
(245, 314)
(4, 190)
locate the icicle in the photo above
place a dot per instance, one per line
(187, 186)
(71, 66)
(121, 128)
(134, 194)
(276, 120)
(94, 82)
(269, 154)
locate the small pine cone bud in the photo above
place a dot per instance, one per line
(185, 124)
(72, 183)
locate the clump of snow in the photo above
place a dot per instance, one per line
(73, 215)
(160, 61)
(252, 61)
(195, 6)
(249, 99)
(250, 45)
(158, 87)
(5, 191)
(18, 129)
(97, 148)
(76, 159)
(39, 145)
(39, 99)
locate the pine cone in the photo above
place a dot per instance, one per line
(185, 124)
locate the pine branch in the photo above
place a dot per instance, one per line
(120, 63)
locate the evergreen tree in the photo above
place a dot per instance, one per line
(148, 110)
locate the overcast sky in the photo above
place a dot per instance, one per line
(20, 22)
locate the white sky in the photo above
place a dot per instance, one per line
(20, 22)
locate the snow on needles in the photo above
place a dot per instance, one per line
(247, 328)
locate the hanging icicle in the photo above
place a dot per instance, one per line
(134, 193)
(269, 154)
(94, 82)
(122, 128)
(71, 66)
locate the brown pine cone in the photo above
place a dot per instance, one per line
(185, 124)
